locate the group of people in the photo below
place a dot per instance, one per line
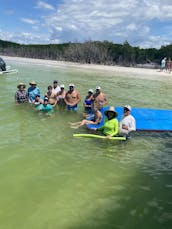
(111, 125)
(93, 104)
(166, 65)
(55, 95)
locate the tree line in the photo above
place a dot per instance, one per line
(90, 52)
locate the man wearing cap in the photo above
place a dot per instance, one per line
(99, 98)
(32, 91)
(56, 88)
(45, 107)
(127, 122)
(72, 98)
(61, 96)
(37, 101)
(21, 94)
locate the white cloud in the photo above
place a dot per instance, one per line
(29, 21)
(44, 5)
(24, 38)
(115, 20)
(132, 27)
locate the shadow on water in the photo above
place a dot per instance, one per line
(135, 203)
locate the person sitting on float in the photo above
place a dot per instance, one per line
(111, 125)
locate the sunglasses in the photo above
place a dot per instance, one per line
(125, 110)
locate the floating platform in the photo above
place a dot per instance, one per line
(147, 119)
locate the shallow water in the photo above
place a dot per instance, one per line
(50, 179)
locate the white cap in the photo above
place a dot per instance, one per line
(71, 85)
(128, 107)
(62, 86)
(90, 90)
(98, 88)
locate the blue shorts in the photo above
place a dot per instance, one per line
(72, 108)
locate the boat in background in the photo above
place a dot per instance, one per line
(10, 71)
(6, 69)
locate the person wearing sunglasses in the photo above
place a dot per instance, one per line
(72, 98)
(127, 122)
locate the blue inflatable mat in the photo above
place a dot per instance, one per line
(147, 119)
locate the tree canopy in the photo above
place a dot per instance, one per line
(94, 52)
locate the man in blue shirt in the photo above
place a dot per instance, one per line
(32, 91)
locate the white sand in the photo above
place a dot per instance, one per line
(141, 73)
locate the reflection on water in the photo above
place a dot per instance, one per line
(51, 180)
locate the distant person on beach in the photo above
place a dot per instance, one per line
(168, 65)
(99, 98)
(21, 94)
(163, 64)
(72, 98)
(127, 122)
(2, 65)
(111, 125)
(33, 90)
(96, 120)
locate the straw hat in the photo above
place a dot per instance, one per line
(33, 83)
(112, 110)
(21, 84)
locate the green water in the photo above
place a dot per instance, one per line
(50, 180)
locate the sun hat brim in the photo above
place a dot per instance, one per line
(21, 84)
(115, 114)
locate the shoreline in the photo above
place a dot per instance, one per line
(130, 72)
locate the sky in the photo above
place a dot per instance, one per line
(143, 23)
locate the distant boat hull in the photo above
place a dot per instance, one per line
(10, 71)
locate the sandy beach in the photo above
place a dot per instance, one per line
(130, 72)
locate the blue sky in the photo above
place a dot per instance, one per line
(144, 23)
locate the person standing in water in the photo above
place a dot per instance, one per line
(88, 104)
(21, 94)
(33, 90)
(72, 98)
(99, 98)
